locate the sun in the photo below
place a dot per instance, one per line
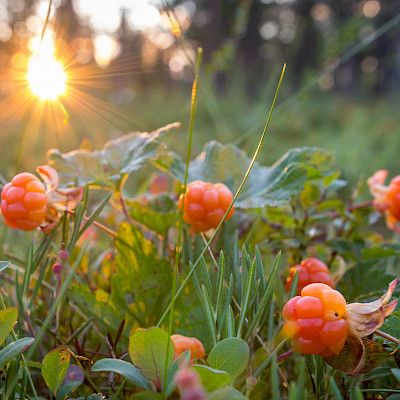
(46, 76)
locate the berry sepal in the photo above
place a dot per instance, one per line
(360, 354)
(366, 318)
(58, 199)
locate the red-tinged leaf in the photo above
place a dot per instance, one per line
(365, 318)
(358, 356)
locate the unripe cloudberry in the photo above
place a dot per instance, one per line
(183, 343)
(310, 270)
(24, 202)
(205, 205)
(316, 321)
(188, 382)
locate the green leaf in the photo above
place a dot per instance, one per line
(8, 318)
(158, 214)
(120, 156)
(230, 355)
(147, 349)
(14, 349)
(55, 366)
(141, 275)
(226, 393)
(266, 186)
(126, 369)
(212, 379)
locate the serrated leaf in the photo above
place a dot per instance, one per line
(55, 367)
(123, 368)
(230, 355)
(120, 156)
(266, 186)
(14, 349)
(147, 350)
(226, 393)
(212, 379)
(8, 318)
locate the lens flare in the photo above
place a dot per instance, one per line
(46, 77)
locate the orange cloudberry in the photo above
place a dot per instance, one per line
(316, 321)
(205, 205)
(310, 270)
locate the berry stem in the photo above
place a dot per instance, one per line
(387, 336)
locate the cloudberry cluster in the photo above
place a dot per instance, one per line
(310, 270)
(316, 320)
(205, 205)
(183, 343)
(24, 202)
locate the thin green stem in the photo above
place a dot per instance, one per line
(192, 117)
(244, 180)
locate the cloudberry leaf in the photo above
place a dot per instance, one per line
(266, 186)
(120, 156)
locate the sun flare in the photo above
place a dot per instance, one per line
(46, 77)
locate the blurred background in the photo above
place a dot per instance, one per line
(101, 68)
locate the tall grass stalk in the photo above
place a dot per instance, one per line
(238, 191)
(192, 118)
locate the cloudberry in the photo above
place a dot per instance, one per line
(386, 198)
(205, 205)
(184, 343)
(310, 270)
(316, 321)
(24, 202)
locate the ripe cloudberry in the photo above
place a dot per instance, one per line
(316, 321)
(184, 343)
(386, 198)
(205, 205)
(310, 270)
(24, 202)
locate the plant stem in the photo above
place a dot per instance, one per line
(387, 336)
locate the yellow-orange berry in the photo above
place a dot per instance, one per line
(310, 270)
(316, 321)
(24, 202)
(205, 204)
(185, 343)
